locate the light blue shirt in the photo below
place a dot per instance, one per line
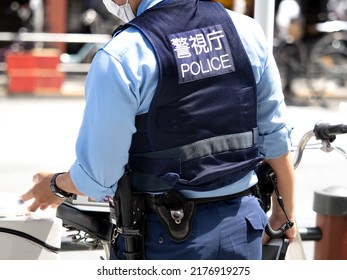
(120, 85)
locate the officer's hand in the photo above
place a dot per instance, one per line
(41, 193)
(276, 223)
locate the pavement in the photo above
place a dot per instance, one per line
(39, 133)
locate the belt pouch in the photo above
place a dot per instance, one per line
(176, 215)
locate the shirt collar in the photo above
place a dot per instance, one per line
(146, 4)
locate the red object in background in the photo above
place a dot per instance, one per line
(27, 81)
(34, 71)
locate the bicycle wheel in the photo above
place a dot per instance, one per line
(290, 59)
(327, 67)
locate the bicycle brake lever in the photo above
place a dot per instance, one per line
(327, 147)
(340, 151)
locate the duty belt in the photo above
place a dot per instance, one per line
(153, 200)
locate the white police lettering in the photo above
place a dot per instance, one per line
(202, 53)
(181, 47)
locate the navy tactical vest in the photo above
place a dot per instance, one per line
(200, 132)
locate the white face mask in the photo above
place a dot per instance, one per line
(123, 12)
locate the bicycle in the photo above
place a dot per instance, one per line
(291, 58)
(327, 62)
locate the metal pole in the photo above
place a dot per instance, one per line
(264, 13)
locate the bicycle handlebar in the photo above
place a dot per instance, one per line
(322, 131)
(326, 131)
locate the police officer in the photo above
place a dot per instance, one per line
(187, 96)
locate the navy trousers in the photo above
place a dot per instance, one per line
(229, 230)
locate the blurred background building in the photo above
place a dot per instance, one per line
(310, 37)
(63, 16)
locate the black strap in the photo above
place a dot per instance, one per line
(153, 200)
(31, 238)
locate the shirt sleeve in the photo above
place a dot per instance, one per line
(106, 130)
(119, 85)
(275, 131)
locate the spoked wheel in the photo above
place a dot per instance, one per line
(290, 59)
(327, 67)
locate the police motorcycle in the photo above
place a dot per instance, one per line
(97, 224)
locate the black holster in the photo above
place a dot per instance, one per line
(127, 214)
(266, 185)
(175, 213)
